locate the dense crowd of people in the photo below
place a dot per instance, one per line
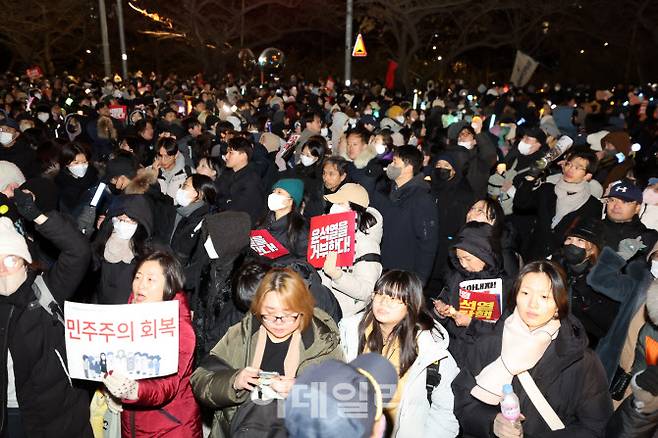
(146, 189)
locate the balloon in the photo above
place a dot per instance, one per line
(247, 60)
(271, 60)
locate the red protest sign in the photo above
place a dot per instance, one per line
(118, 112)
(264, 244)
(34, 72)
(332, 233)
(481, 299)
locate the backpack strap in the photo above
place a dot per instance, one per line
(46, 300)
(433, 379)
(370, 257)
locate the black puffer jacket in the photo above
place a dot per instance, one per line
(614, 232)
(72, 190)
(411, 227)
(50, 405)
(569, 375)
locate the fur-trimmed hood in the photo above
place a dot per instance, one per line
(142, 181)
(365, 156)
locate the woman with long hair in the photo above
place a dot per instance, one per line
(396, 325)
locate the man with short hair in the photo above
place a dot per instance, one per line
(194, 129)
(622, 221)
(557, 204)
(239, 187)
(410, 215)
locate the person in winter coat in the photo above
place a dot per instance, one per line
(334, 176)
(224, 244)
(75, 177)
(283, 333)
(410, 216)
(454, 197)
(490, 211)
(395, 325)
(124, 237)
(284, 222)
(624, 278)
(353, 286)
(474, 256)
(170, 164)
(579, 254)
(558, 206)
(364, 168)
(612, 168)
(622, 221)
(15, 149)
(160, 406)
(38, 396)
(481, 154)
(309, 170)
(239, 188)
(179, 226)
(539, 340)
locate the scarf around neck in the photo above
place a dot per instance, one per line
(570, 197)
(521, 349)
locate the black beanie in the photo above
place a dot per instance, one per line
(229, 231)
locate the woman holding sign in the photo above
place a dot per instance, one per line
(161, 406)
(396, 325)
(541, 350)
(284, 222)
(353, 285)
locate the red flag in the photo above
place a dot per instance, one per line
(390, 74)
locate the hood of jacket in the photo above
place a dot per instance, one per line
(477, 241)
(137, 207)
(141, 183)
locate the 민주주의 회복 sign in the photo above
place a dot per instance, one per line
(137, 340)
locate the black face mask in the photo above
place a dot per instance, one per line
(442, 174)
(573, 254)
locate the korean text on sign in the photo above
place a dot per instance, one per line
(481, 299)
(332, 233)
(138, 340)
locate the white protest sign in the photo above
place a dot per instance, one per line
(524, 67)
(138, 340)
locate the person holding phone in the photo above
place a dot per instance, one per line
(283, 333)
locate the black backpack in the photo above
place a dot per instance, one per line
(433, 379)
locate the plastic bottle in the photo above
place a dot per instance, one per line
(509, 405)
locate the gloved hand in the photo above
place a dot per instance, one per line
(645, 390)
(121, 387)
(113, 404)
(25, 205)
(87, 220)
(330, 268)
(629, 247)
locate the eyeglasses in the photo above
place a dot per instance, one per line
(569, 164)
(284, 319)
(387, 300)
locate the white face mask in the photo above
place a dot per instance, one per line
(380, 148)
(465, 144)
(10, 283)
(399, 119)
(654, 268)
(421, 117)
(123, 230)
(183, 197)
(276, 201)
(43, 117)
(339, 208)
(324, 132)
(78, 170)
(524, 148)
(38, 96)
(413, 141)
(307, 161)
(6, 138)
